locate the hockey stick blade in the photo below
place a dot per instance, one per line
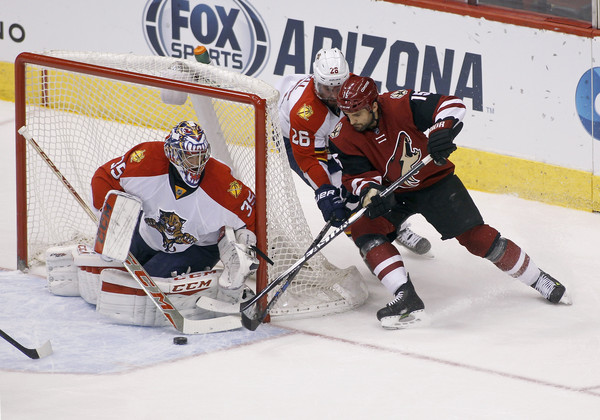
(36, 353)
(212, 325)
(252, 323)
(131, 264)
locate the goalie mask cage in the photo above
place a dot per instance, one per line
(86, 108)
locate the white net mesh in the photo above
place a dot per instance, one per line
(82, 121)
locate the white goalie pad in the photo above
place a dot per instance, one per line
(119, 217)
(74, 270)
(125, 302)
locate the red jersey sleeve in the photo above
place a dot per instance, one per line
(142, 160)
(229, 192)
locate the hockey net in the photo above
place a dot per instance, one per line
(87, 108)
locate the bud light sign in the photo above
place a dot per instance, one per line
(232, 31)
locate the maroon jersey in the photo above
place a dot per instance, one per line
(384, 154)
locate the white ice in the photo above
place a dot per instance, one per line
(494, 350)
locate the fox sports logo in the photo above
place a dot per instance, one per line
(232, 30)
(587, 101)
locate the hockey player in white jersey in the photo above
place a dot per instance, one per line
(193, 214)
(308, 113)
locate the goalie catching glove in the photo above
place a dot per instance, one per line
(238, 256)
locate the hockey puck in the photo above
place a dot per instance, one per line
(180, 341)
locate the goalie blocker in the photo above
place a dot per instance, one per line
(117, 223)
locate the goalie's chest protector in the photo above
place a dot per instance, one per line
(171, 224)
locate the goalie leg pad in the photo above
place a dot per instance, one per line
(125, 302)
(89, 266)
(61, 271)
(74, 270)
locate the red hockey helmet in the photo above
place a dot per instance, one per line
(357, 93)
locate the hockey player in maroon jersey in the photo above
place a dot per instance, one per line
(308, 112)
(378, 141)
(190, 201)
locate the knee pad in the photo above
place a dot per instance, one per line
(367, 242)
(497, 250)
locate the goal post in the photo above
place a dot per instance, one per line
(87, 108)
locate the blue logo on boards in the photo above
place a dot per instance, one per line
(233, 32)
(587, 101)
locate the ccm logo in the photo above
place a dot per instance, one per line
(197, 285)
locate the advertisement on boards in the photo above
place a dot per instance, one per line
(522, 86)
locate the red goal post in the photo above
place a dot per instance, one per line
(87, 108)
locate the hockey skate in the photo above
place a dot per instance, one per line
(413, 241)
(405, 311)
(551, 289)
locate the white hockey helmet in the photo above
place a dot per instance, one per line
(188, 150)
(330, 71)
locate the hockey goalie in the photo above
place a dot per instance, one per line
(180, 212)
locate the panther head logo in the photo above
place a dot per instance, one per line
(170, 226)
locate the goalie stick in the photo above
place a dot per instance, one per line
(36, 353)
(131, 264)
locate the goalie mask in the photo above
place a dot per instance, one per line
(330, 71)
(188, 150)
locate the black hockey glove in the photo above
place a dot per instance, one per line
(331, 204)
(379, 205)
(441, 136)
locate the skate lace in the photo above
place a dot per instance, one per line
(409, 238)
(544, 285)
(397, 299)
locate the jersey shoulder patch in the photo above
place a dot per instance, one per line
(336, 130)
(305, 112)
(398, 94)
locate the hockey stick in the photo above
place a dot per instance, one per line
(162, 302)
(253, 323)
(37, 353)
(216, 305)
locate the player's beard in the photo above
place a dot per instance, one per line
(369, 125)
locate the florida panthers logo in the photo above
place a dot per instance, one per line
(170, 225)
(405, 157)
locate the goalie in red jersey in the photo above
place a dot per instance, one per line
(377, 142)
